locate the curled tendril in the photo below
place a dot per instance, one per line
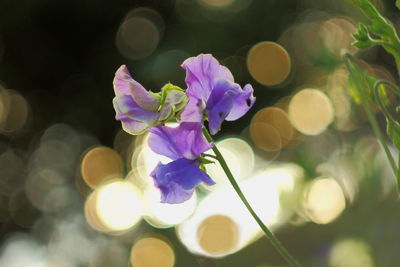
(379, 100)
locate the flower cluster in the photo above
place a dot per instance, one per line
(212, 95)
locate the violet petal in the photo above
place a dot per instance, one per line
(242, 102)
(124, 85)
(201, 71)
(125, 104)
(130, 125)
(178, 179)
(185, 141)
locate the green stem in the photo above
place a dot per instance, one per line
(359, 77)
(398, 174)
(209, 155)
(275, 242)
(378, 133)
(389, 119)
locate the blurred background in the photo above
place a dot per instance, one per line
(75, 190)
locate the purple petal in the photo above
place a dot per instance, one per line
(201, 71)
(185, 141)
(178, 179)
(126, 105)
(219, 104)
(242, 102)
(130, 125)
(193, 111)
(125, 85)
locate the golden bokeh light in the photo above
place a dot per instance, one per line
(271, 129)
(338, 91)
(151, 252)
(310, 111)
(265, 136)
(324, 200)
(238, 155)
(218, 234)
(269, 63)
(337, 34)
(114, 207)
(351, 252)
(221, 214)
(100, 165)
(164, 215)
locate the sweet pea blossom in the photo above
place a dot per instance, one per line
(139, 109)
(183, 144)
(212, 92)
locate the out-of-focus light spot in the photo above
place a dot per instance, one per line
(337, 90)
(99, 165)
(114, 207)
(238, 155)
(167, 66)
(4, 104)
(150, 14)
(124, 145)
(310, 111)
(218, 234)
(350, 253)
(150, 252)
(21, 210)
(265, 136)
(22, 250)
(266, 119)
(324, 200)
(269, 63)
(217, 3)
(17, 113)
(11, 172)
(111, 253)
(337, 34)
(163, 215)
(263, 192)
(144, 161)
(138, 36)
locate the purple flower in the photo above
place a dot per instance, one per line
(139, 109)
(183, 144)
(213, 92)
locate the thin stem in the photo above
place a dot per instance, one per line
(390, 119)
(275, 242)
(209, 155)
(358, 77)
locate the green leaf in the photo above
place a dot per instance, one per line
(393, 131)
(377, 26)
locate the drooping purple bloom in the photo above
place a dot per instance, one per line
(213, 92)
(139, 109)
(183, 144)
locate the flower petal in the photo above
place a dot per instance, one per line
(130, 125)
(242, 102)
(178, 179)
(125, 104)
(125, 85)
(185, 141)
(193, 111)
(201, 71)
(219, 104)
